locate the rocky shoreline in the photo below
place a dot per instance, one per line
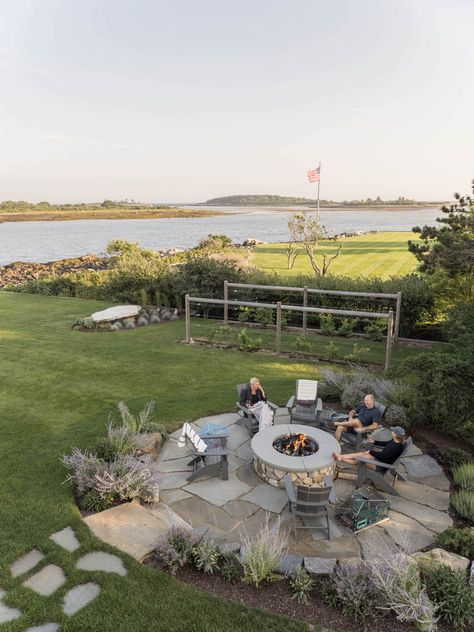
(20, 272)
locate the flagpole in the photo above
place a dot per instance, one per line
(319, 182)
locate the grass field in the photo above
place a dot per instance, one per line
(57, 387)
(379, 254)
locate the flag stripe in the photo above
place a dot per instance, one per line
(314, 175)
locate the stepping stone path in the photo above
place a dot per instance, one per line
(51, 577)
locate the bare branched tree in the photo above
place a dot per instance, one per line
(292, 250)
(308, 231)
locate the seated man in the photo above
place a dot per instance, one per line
(389, 454)
(253, 397)
(364, 418)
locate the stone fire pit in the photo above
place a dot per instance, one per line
(272, 466)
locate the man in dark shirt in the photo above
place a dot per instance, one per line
(363, 419)
(389, 453)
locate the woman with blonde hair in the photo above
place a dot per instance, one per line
(253, 397)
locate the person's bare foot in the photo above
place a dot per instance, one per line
(336, 457)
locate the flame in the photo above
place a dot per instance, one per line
(296, 444)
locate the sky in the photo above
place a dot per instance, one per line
(184, 100)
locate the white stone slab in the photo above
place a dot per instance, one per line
(78, 597)
(47, 627)
(47, 580)
(66, 539)
(101, 561)
(7, 613)
(217, 491)
(114, 313)
(26, 563)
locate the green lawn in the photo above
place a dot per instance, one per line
(380, 255)
(57, 387)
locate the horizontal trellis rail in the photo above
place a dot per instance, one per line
(188, 300)
(307, 290)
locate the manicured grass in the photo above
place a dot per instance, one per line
(379, 255)
(57, 387)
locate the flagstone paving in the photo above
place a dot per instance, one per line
(26, 563)
(79, 596)
(47, 580)
(100, 561)
(47, 627)
(66, 538)
(7, 613)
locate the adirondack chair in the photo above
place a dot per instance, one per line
(356, 439)
(305, 406)
(381, 472)
(310, 502)
(207, 458)
(249, 419)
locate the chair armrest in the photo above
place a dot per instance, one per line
(247, 412)
(290, 402)
(214, 453)
(272, 405)
(319, 405)
(362, 459)
(205, 435)
(290, 490)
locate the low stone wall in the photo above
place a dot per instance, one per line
(146, 316)
(275, 477)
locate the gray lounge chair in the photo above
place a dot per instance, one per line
(356, 439)
(249, 419)
(305, 406)
(310, 502)
(379, 475)
(209, 453)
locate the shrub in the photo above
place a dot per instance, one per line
(355, 591)
(119, 440)
(264, 316)
(463, 503)
(246, 314)
(326, 325)
(460, 541)
(398, 582)
(214, 243)
(455, 456)
(346, 327)
(328, 593)
(301, 583)
(94, 501)
(143, 422)
(374, 330)
(261, 554)
(331, 387)
(397, 416)
(302, 343)
(463, 475)
(356, 353)
(230, 568)
(397, 393)
(352, 395)
(175, 548)
(246, 342)
(126, 478)
(84, 466)
(452, 595)
(206, 556)
(331, 350)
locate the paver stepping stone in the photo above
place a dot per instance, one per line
(206, 512)
(129, 527)
(7, 613)
(66, 538)
(252, 525)
(225, 420)
(217, 491)
(248, 475)
(170, 449)
(240, 509)
(175, 465)
(319, 565)
(268, 497)
(424, 469)
(422, 494)
(47, 627)
(432, 519)
(245, 452)
(101, 561)
(26, 563)
(337, 529)
(47, 580)
(170, 496)
(234, 462)
(338, 548)
(375, 542)
(408, 533)
(174, 479)
(288, 563)
(238, 436)
(413, 450)
(165, 514)
(78, 597)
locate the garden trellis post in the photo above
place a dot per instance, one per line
(278, 328)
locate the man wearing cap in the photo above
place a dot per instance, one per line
(389, 454)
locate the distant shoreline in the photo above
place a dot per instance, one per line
(296, 209)
(64, 216)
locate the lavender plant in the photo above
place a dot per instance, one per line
(175, 548)
(355, 590)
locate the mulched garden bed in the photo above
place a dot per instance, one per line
(276, 598)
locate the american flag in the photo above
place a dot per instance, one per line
(314, 175)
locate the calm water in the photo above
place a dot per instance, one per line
(47, 241)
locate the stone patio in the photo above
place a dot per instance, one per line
(239, 506)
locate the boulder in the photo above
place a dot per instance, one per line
(149, 443)
(435, 557)
(154, 318)
(142, 320)
(115, 313)
(129, 325)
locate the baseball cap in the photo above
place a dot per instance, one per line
(398, 430)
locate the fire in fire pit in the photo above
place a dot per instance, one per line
(295, 445)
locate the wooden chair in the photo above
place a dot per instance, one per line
(305, 406)
(207, 459)
(378, 476)
(249, 419)
(310, 502)
(356, 439)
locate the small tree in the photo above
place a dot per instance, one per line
(308, 231)
(292, 250)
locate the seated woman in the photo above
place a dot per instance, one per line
(364, 418)
(253, 397)
(389, 454)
